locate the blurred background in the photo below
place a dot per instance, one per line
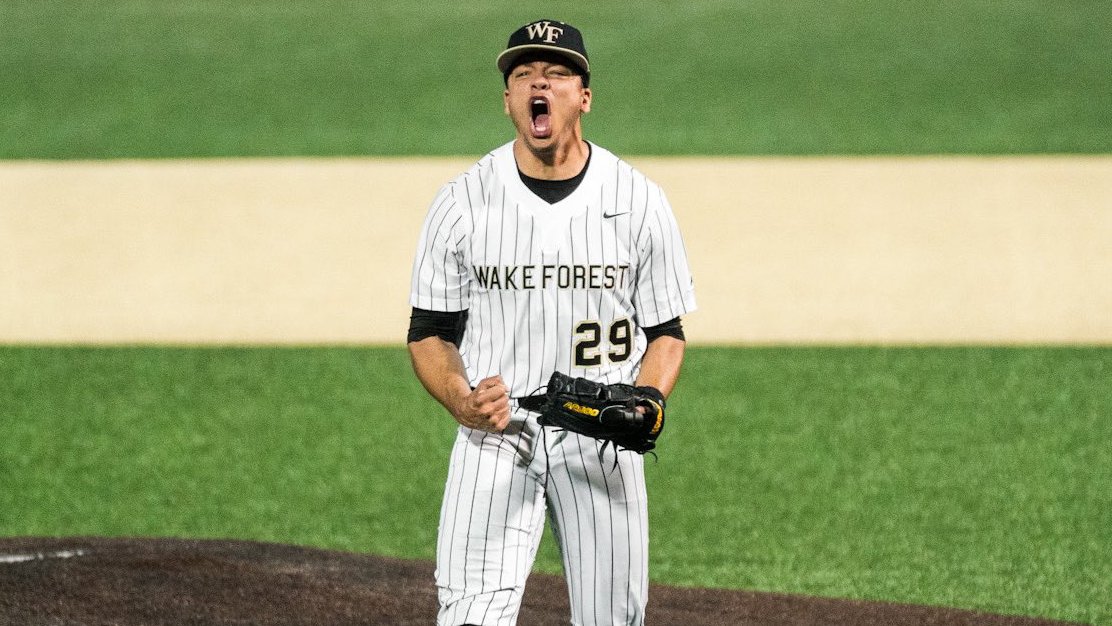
(143, 78)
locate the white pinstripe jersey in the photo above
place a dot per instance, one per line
(565, 286)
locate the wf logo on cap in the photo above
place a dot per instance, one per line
(547, 37)
(545, 31)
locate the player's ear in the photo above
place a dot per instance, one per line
(506, 102)
(585, 105)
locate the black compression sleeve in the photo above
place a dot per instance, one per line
(671, 328)
(447, 326)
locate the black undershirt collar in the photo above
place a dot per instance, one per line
(553, 191)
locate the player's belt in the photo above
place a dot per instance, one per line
(533, 402)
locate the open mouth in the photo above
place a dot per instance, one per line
(541, 119)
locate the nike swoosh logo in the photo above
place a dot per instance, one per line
(614, 214)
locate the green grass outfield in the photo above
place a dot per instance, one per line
(970, 477)
(195, 78)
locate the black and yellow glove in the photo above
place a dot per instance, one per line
(606, 412)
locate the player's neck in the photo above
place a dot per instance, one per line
(558, 162)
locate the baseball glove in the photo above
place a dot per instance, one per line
(605, 412)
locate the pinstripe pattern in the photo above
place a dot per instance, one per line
(529, 272)
(561, 287)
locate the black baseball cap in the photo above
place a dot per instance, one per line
(547, 37)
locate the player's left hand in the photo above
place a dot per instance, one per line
(629, 417)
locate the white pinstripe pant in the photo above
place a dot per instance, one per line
(493, 516)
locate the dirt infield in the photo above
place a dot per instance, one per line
(784, 250)
(170, 582)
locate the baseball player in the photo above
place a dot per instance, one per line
(549, 254)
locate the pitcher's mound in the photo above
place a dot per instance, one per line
(141, 582)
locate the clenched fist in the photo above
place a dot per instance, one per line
(487, 407)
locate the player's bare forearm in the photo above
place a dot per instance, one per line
(660, 367)
(440, 369)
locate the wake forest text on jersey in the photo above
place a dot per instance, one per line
(545, 276)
